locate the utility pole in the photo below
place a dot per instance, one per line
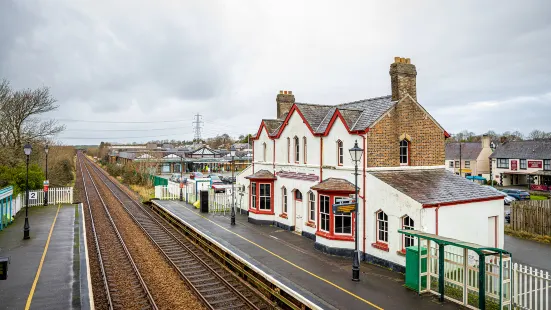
(197, 126)
(460, 158)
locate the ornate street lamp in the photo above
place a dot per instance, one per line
(356, 154)
(47, 182)
(232, 154)
(26, 230)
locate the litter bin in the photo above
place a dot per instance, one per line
(4, 268)
(412, 267)
(204, 201)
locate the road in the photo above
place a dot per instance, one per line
(529, 253)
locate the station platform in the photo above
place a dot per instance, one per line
(49, 270)
(291, 259)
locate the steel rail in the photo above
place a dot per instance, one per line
(126, 251)
(105, 179)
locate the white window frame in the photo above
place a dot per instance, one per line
(340, 153)
(325, 215)
(384, 227)
(311, 206)
(284, 200)
(501, 161)
(523, 166)
(407, 223)
(467, 164)
(451, 163)
(304, 153)
(406, 147)
(253, 195)
(297, 149)
(288, 150)
(457, 164)
(267, 197)
(341, 217)
(547, 164)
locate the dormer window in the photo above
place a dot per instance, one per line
(404, 153)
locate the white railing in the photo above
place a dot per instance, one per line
(531, 288)
(218, 202)
(36, 198)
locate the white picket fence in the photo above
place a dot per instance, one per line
(36, 198)
(531, 288)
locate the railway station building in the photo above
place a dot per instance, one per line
(301, 166)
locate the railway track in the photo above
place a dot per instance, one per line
(123, 284)
(212, 283)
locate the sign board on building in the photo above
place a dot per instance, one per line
(345, 206)
(536, 187)
(535, 164)
(514, 165)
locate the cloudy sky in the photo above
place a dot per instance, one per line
(481, 65)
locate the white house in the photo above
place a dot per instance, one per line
(301, 167)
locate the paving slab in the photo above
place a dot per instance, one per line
(292, 260)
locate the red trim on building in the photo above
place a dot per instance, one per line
(446, 134)
(331, 233)
(363, 190)
(458, 202)
(380, 246)
(321, 158)
(273, 158)
(253, 158)
(257, 210)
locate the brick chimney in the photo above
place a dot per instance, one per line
(403, 78)
(285, 100)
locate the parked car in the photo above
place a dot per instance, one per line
(507, 199)
(195, 175)
(517, 194)
(215, 179)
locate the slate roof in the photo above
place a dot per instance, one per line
(435, 186)
(334, 184)
(523, 149)
(358, 115)
(262, 174)
(272, 125)
(469, 150)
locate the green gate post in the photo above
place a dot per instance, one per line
(441, 271)
(2, 214)
(481, 281)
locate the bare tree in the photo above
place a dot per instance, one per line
(19, 111)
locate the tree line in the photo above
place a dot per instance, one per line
(20, 123)
(469, 136)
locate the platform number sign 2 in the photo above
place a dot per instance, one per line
(32, 195)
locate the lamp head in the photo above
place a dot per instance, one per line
(232, 151)
(46, 149)
(356, 152)
(28, 148)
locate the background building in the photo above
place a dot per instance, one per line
(474, 158)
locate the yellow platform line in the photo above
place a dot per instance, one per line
(291, 263)
(30, 298)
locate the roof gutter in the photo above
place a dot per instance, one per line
(458, 202)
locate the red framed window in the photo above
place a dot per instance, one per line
(324, 213)
(407, 241)
(253, 195)
(288, 150)
(264, 197)
(340, 153)
(334, 226)
(382, 227)
(343, 222)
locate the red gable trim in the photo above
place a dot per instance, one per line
(458, 202)
(286, 121)
(446, 134)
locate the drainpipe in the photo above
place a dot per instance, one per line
(436, 211)
(253, 157)
(274, 156)
(321, 158)
(363, 190)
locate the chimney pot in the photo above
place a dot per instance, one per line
(281, 92)
(396, 59)
(408, 61)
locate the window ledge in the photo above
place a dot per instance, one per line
(283, 215)
(267, 212)
(330, 236)
(380, 246)
(401, 252)
(299, 200)
(311, 224)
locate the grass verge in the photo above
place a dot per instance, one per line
(536, 197)
(526, 235)
(145, 192)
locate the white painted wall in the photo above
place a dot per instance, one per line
(469, 222)
(395, 204)
(507, 179)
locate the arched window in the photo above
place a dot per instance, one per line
(404, 152)
(407, 223)
(311, 206)
(340, 153)
(284, 196)
(288, 150)
(304, 150)
(297, 150)
(382, 227)
(264, 151)
(298, 195)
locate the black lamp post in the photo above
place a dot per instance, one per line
(356, 153)
(45, 190)
(181, 178)
(26, 230)
(232, 153)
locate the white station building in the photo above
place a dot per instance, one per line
(302, 166)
